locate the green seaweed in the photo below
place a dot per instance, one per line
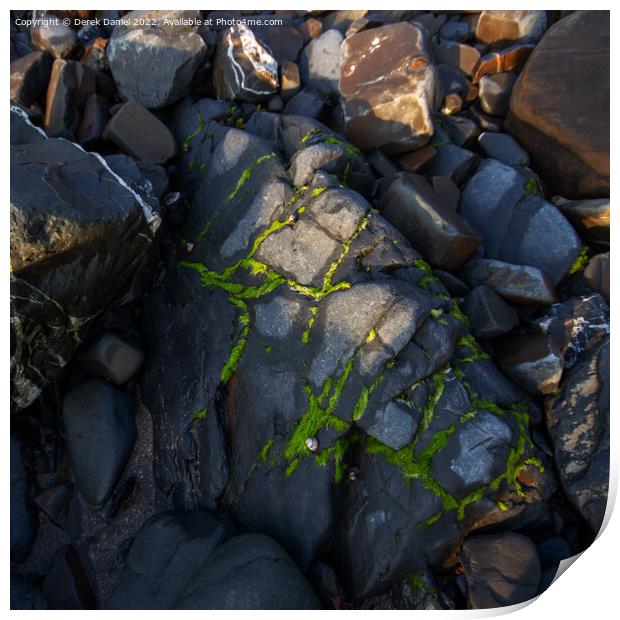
(246, 174)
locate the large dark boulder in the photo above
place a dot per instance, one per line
(560, 106)
(77, 234)
(24, 521)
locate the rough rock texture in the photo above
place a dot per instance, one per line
(77, 233)
(243, 68)
(488, 314)
(251, 571)
(499, 29)
(578, 422)
(590, 217)
(568, 143)
(155, 64)
(389, 88)
(319, 63)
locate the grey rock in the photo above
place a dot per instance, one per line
(53, 36)
(154, 66)
(54, 503)
(454, 162)
(393, 425)
(452, 80)
(488, 314)
(308, 102)
(319, 62)
(100, 429)
(458, 55)
(290, 82)
(431, 22)
(494, 92)
(462, 131)
(504, 148)
(455, 31)
(597, 274)
(94, 120)
(30, 76)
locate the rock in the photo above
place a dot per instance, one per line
(250, 571)
(578, 423)
(589, 217)
(464, 133)
(310, 29)
(518, 284)
(453, 162)
(383, 109)
(381, 164)
(140, 133)
(458, 55)
(66, 585)
(53, 36)
(284, 42)
(154, 65)
(484, 121)
(94, 120)
(509, 59)
(455, 31)
(289, 80)
(393, 425)
(504, 148)
(452, 103)
(518, 226)
(30, 76)
(319, 62)
(24, 523)
(341, 20)
(111, 358)
(24, 595)
(163, 557)
(431, 22)
(533, 361)
(100, 430)
(275, 104)
(494, 92)
(597, 274)
(500, 569)
(568, 140)
(447, 190)
(500, 29)
(414, 161)
(243, 69)
(54, 503)
(488, 314)
(98, 230)
(452, 80)
(443, 237)
(307, 102)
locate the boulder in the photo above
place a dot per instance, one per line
(499, 29)
(453, 162)
(567, 137)
(458, 55)
(494, 92)
(100, 430)
(77, 234)
(488, 314)
(55, 37)
(389, 88)
(243, 69)
(319, 63)
(509, 59)
(154, 65)
(290, 82)
(94, 120)
(504, 148)
(30, 76)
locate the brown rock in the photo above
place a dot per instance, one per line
(494, 92)
(458, 55)
(310, 29)
(589, 217)
(141, 134)
(388, 86)
(452, 103)
(560, 106)
(341, 20)
(509, 59)
(499, 29)
(412, 162)
(289, 80)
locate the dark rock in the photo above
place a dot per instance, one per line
(53, 36)
(462, 131)
(589, 217)
(509, 59)
(251, 571)
(284, 42)
(458, 55)
(147, 179)
(443, 237)
(94, 119)
(341, 20)
(307, 102)
(414, 161)
(454, 162)
(381, 164)
(533, 361)
(488, 314)
(500, 29)
(310, 29)
(100, 429)
(30, 76)
(95, 55)
(140, 133)
(518, 284)
(112, 358)
(597, 274)
(319, 62)
(578, 422)
(501, 570)
(455, 31)
(325, 582)
(24, 522)
(568, 139)
(455, 286)
(166, 553)
(452, 80)
(393, 425)
(494, 92)
(518, 226)
(290, 81)
(504, 148)
(67, 585)
(275, 104)
(24, 595)
(54, 503)
(552, 551)
(154, 65)
(389, 94)
(484, 121)
(447, 190)
(431, 22)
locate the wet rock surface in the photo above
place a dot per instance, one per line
(312, 326)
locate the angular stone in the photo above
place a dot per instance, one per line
(455, 31)
(251, 571)
(163, 557)
(389, 88)
(100, 429)
(30, 76)
(458, 55)
(452, 80)
(443, 237)
(597, 274)
(53, 36)
(484, 121)
(431, 22)
(488, 314)
(452, 103)
(533, 361)
(308, 102)
(590, 217)
(341, 20)
(447, 190)
(500, 569)
(504, 148)
(509, 59)
(155, 65)
(94, 120)
(393, 425)
(319, 62)
(140, 133)
(453, 162)
(284, 42)
(381, 164)
(462, 131)
(499, 29)
(289, 80)
(567, 137)
(494, 92)
(517, 283)
(578, 423)
(412, 162)
(54, 503)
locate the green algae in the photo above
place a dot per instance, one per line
(246, 174)
(305, 337)
(264, 453)
(581, 261)
(199, 416)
